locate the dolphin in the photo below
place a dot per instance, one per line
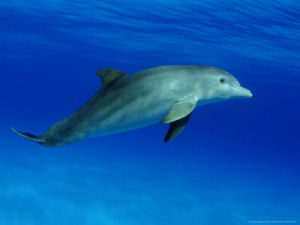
(166, 94)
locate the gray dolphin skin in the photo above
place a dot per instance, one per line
(166, 94)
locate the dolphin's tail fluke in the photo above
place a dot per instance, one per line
(29, 136)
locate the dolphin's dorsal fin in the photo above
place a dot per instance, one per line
(109, 76)
(177, 127)
(180, 109)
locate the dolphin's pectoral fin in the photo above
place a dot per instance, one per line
(177, 127)
(180, 110)
(109, 76)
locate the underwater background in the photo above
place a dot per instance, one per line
(237, 162)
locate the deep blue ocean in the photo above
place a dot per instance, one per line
(236, 162)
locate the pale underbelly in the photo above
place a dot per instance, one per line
(128, 119)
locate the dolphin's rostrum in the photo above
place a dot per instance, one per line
(166, 94)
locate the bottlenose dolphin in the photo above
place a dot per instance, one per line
(166, 94)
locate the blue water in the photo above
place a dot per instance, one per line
(236, 162)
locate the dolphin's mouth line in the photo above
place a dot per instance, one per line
(243, 92)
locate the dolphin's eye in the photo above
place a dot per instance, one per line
(222, 80)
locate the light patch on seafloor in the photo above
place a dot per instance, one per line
(112, 193)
